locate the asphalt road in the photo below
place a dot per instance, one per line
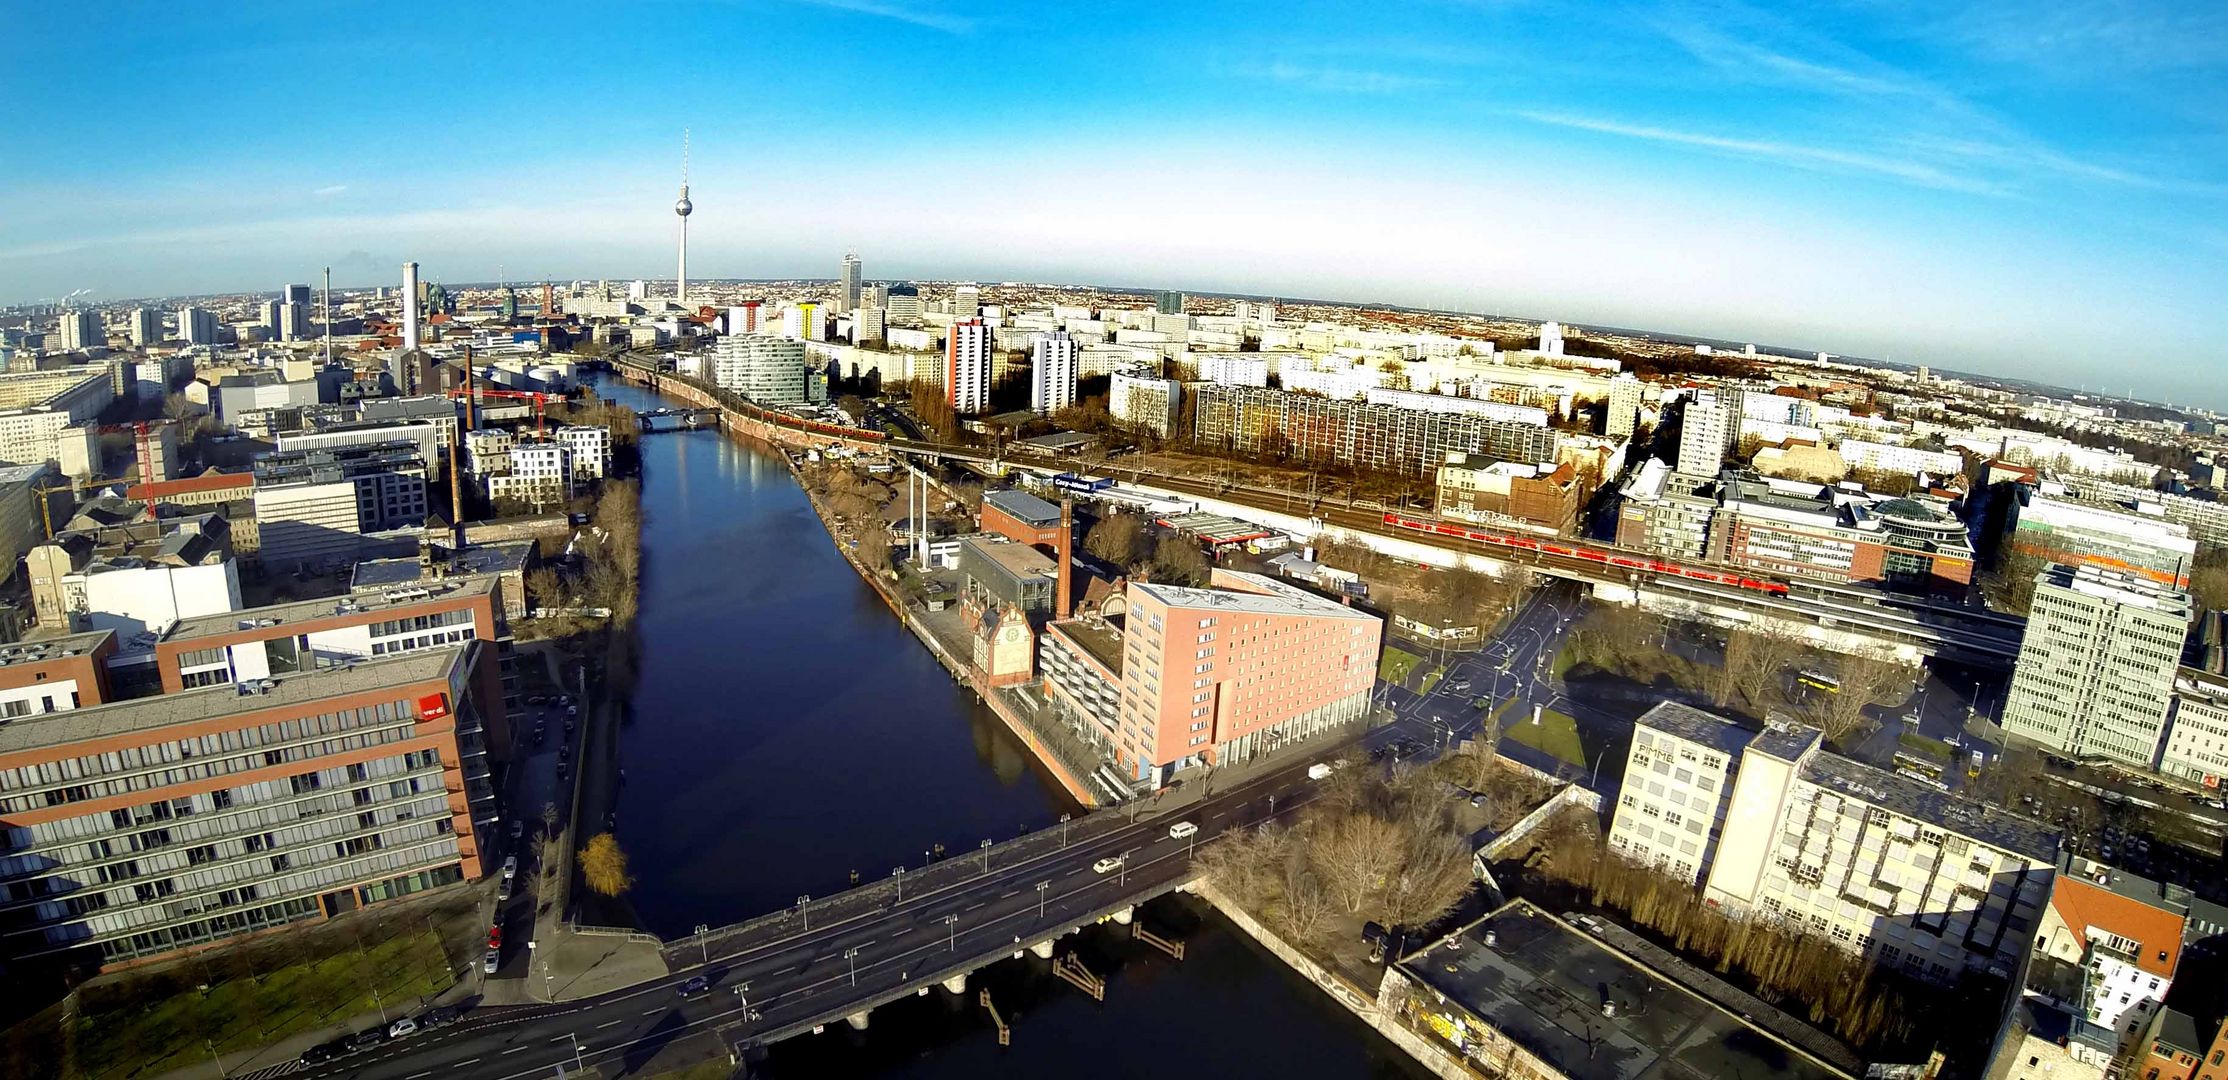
(829, 970)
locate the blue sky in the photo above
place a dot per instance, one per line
(2038, 194)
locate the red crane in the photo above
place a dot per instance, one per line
(539, 399)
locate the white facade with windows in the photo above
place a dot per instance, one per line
(967, 366)
(768, 370)
(591, 450)
(541, 473)
(1052, 373)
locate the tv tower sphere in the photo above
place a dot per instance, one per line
(683, 206)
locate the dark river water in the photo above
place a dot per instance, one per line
(788, 730)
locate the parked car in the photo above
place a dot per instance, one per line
(439, 1016)
(401, 1028)
(503, 891)
(493, 960)
(1107, 865)
(324, 1052)
(495, 936)
(695, 986)
(365, 1040)
(518, 829)
(510, 867)
(1460, 686)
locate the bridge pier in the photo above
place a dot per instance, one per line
(957, 984)
(857, 1020)
(1125, 915)
(1043, 949)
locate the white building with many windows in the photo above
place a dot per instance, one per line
(1052, 373)
(1768, 822)
(591, 449)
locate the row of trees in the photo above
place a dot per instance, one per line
(1450, 597)
(1804, 972)
(1369, 848)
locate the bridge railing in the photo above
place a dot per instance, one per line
(956, 868)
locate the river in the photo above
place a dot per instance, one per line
(788, 730)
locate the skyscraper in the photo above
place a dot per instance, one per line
(196, 327)
(1710, 427)
(966, 302)
(682, 208)
(294, 294)
(2096, 667)
(850, 282)
(1052, 373)
(1170, 303)
(293, 320)
(410, 300)
(81, 329)
(1624, 407)
(967, 367)
(270, 316)
(1551, 338)
(146, 327)
(868, 324)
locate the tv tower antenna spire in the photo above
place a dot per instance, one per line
(682, 208)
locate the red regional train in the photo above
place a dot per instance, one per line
(1579, 549)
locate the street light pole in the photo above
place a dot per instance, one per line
(1122, 879)
(703, 943)
(898, 874)
(1064, 830)
(578, 1065)
(986, 856)
(804, 909)
(951, 932)
(852, 954)
(1042, 886)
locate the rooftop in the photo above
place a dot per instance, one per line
(1697, 726)
(502, 558)
(303, 611)
(1590, 1012)
(1024, 507)
(1020, 560)
(2001, 829)
(52, 648)
(1216, 529)
(144, 714)
(1100, 638)
(2139, 909)
(1258, 595)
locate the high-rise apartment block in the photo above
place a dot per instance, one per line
(81, 330)
(1188, 677)
(146, 327)
(1771, 824)
(1710, 427)
(1052, 372)
(1254, 420)
(1144, 404)
(2096, 668)
(293, 321)
(869, 326)
(966, 302)
(1169, 303)
(967, 366)
(196, 326)
(848, 284)
(1624, 407)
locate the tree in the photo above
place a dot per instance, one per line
(1866, 679)
(1177, 561)
(1115, 538)
(1354, 856)
(605, 866)
(2209, 583)
(2011, 588)
(549, 817)
(1753, 656)
(542, 588)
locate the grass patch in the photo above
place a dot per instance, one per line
(1566, 659)
(1395, 665)
(1920, 744)
(136, 1038)
(1555, 735)
(1431, 678)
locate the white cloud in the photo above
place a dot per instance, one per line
(1337, 80)
(926, 19)
(330, 190)
(1798, 155)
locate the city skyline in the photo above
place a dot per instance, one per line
(1713, 172)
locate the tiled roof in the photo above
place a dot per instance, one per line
(2157, 931)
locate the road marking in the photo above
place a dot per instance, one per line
(514, 1049)
(653, 1012)
(415, 1076)
(559, 1038)
(467, 1061)
(902, 933)
(600, 1027)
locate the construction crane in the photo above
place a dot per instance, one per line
(541, 402)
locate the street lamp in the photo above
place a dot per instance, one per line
(573, 1037)
(852, 954)
(986, 856)
(703, 943)
(951, 932)
(212, 1045)
(1042, 886)
(806, 911)
(897, 874)
(1064, 830)
(1122, 879)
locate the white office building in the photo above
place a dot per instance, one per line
(849, 283)
(2095, 674)
(81, 330)
(1052, 373)
(1770, 823)
(1233, 369)
(768, 370)
(146, 327)
(1623, 418)
(196, 326)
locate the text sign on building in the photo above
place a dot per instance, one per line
(433, 707)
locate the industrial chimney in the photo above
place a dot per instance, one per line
(409, 305)
(1060, 601)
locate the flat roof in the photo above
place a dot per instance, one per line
(60, 646)
(302, 611)
(149, 713)
(1024, 507)
(1696, 726)
(1927, 803)
(476, 559)
(1274, 598)
(1101, 638)
(1018, 559)
(1544, 985)
(1216, 528)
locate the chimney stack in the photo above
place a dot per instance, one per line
(1060, 600)
(409, 305)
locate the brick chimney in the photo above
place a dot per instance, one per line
(1060, 599)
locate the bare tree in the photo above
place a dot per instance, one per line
(1866, 679)
(1115, 539)
(1355, 856)
(1754, 657)
(1177, 561)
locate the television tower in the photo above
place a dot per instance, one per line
(682, 208)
